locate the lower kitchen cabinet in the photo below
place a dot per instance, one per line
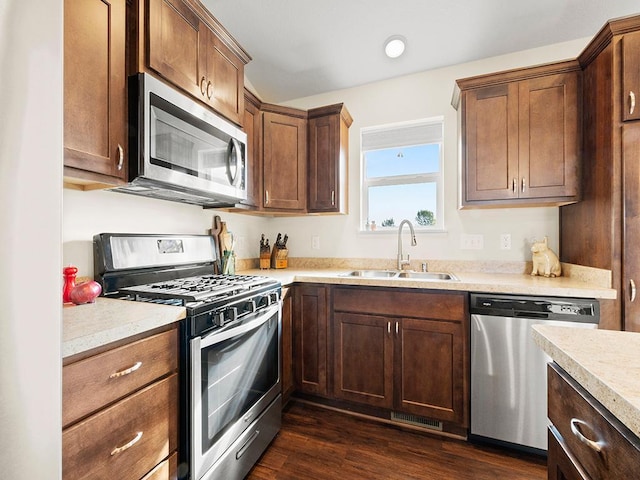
(120, 410)
(402, 350)
(286, 374)
(585, 440)
(310, 324)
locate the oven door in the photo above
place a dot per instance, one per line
(235, 377)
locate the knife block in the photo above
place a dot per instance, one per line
(265, 260)
(279, 257)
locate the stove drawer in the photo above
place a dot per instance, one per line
(97, 381)
(126, 440)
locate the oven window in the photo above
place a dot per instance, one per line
(236, 373)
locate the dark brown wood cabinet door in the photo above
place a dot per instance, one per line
(363, 359)
(284, 161)
(174, 36)
(310, 339)
(631, 76)
(490, 142)
(287, 344)
(324, 163)
(95, 87)
(252, 124)
(429, 369)
(631, 253)
(225, 71)
(549, 136)
(560, 466)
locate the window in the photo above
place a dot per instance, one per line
(402, 175)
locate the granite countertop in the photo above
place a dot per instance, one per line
(605, 362)
(505, 283)
(107, 320)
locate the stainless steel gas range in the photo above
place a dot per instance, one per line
(230, 345)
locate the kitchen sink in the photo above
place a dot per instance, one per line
(371, 273)
(432, 276)
(439, 276)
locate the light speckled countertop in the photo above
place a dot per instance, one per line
(507, 283)
(605, 362)
(108, 320)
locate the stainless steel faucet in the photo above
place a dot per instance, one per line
(401, 260)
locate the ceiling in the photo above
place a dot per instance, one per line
(305, 47)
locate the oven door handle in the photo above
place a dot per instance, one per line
(261, 317)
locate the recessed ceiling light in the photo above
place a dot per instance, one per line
(394, 46)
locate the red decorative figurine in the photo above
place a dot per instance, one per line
(69, 282)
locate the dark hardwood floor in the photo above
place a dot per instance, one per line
(316, 443)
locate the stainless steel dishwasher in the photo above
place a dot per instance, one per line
(508, 370)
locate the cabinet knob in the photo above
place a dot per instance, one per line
(632, 102)
(203, 86)
(632, 289)
(120, 157)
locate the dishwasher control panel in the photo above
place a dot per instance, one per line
(570, 309)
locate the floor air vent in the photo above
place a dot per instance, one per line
(416, 421)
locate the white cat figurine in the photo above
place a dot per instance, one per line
(545, 262)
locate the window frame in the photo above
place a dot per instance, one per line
(432, 177)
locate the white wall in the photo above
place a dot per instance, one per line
(423, 95)
(30, 257)
(405, 98)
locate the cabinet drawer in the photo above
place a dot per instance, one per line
(129, 438)
(167, 470)
(569, 404)
(396, 302)
(90, 384)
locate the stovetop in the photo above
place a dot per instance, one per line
(197, 290)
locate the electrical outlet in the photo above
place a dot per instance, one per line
(315, 242)
(505, 241)
(471, 242)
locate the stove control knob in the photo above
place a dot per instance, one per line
(217, 319)
(250, 306)
(231, 314)
(264, 301)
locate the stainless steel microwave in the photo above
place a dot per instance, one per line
(181, 151)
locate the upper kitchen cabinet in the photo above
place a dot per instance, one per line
(520, 136)
(252, 125)
(187, 46)
(328, 159)
(284, 158)
(95, 138)
(631, 76)
(601, 230)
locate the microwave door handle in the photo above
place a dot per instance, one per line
(234, 146)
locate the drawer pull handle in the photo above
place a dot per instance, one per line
(632, 102)
(632, 285)
(127, 371)
(126, 446)
(593, 445)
